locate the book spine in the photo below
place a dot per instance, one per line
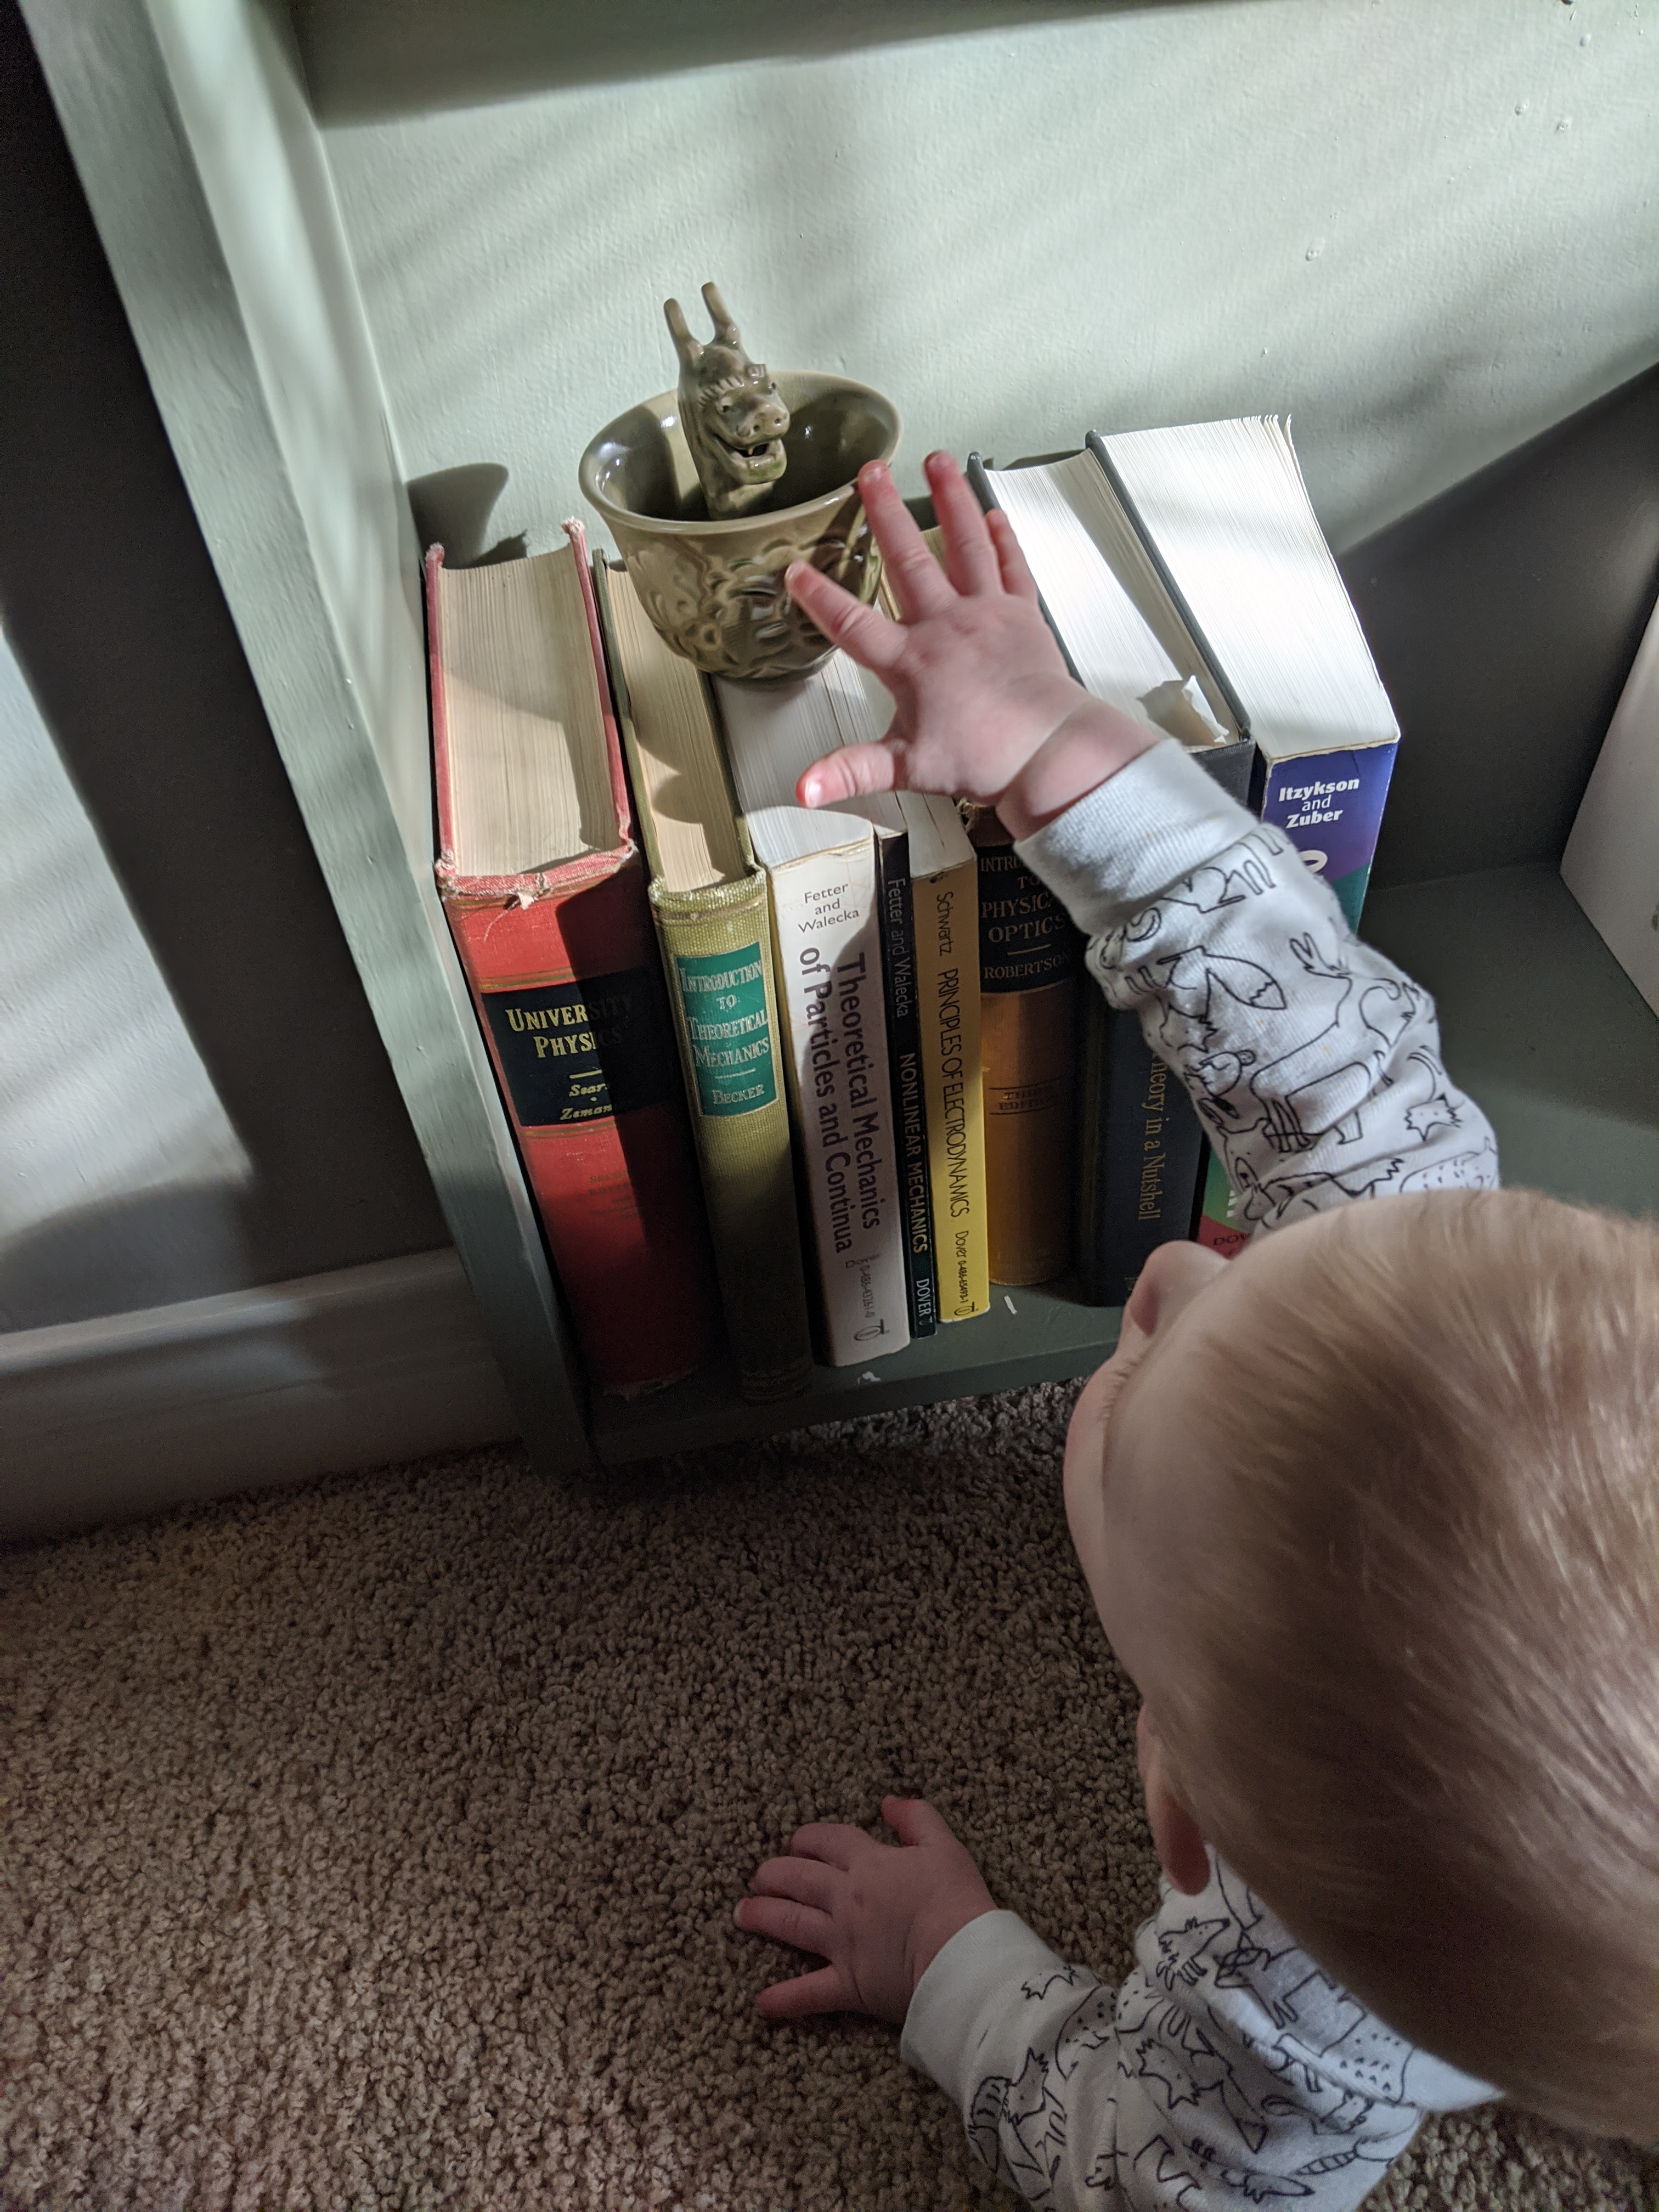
(1141, 1154)
(1330, 806)
(565, 980)
(898, 963)
(1029, 956)
(1217, 1226)
(829, 992)
(570, 997)
(946, 908)
(718, 959)
(717, 954)
(1140, 1150)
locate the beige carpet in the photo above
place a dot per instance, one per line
(374, 1844)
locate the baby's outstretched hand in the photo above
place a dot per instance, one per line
(987, 708)
(878, 1914)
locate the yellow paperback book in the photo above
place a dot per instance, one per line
(945, 894)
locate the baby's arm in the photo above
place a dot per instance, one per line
(1227, 2071)
(1313, 1063)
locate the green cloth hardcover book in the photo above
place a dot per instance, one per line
(710, 902)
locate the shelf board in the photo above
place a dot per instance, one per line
(1034, 1335)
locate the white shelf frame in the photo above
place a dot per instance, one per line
(207, 178)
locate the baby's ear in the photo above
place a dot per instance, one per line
(1182, 1850)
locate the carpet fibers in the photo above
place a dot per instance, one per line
(374, 1844)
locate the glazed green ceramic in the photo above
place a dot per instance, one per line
(715, 588)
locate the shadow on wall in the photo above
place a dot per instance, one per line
(1422, 264)
(154, 1248)
(380, 57)
(451, 508)
(193, 1095)
(106, 1107)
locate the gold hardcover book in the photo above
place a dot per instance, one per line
(710, 902)
(945, 896)
(1029, 959)
(945, 893)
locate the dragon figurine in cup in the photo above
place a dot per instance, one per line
(733, 420)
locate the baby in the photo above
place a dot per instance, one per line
(1369, 1513)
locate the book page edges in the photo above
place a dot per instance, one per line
(1223, 699)
(520, 887)
(1277, 740)
(577, 535)
(652, 764)
(938, 839)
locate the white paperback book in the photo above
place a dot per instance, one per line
(1611, 863)
(820, 865)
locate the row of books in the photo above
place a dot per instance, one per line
(827, 1075)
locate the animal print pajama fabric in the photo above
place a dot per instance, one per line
(1229, 2070)
(1313, 1063)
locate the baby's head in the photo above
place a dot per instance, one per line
(1371, 1515)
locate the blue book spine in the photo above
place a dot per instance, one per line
(1330, 806)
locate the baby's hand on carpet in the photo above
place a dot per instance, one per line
(878, 1914)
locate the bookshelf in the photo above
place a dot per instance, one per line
(197, 140)
(1540, 1023)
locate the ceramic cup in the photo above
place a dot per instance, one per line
(715, 588)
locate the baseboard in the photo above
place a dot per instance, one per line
(101, 1419)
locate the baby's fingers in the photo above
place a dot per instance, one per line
(808, 1880)
(862, 633)
(918, 583)
(785, 1920)
(848, 773)
(825, 1990)
(974, 565)
(1016, 578)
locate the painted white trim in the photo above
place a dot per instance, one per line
(206, 177)
(137, 1411)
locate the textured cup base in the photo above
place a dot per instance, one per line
(723, 605)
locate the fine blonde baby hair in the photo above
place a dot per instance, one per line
(1426, 1723)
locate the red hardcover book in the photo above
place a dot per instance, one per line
(545, 895)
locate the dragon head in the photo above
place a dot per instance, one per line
(733, 420)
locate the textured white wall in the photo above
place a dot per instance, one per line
(1426, 230)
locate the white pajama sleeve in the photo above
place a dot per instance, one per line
(1229, 2072)
(1313, 1062)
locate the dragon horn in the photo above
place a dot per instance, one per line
(725, 329)
(687, 347)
